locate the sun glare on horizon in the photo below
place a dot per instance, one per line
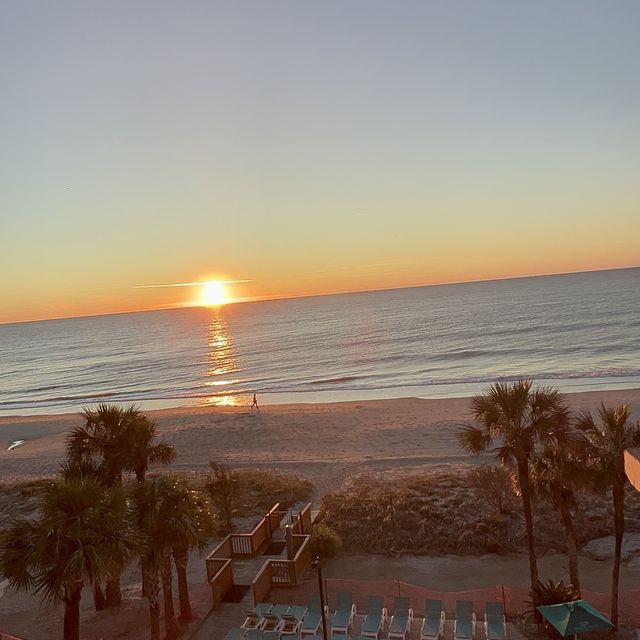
(214, 293)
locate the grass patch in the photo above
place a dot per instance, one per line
(452, 512)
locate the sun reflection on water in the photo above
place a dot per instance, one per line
(221, 364)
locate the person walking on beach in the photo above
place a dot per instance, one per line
(255, 402)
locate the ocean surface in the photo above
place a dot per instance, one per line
(578, 332)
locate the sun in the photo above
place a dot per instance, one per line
(214, 293)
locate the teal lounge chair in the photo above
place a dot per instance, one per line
(254, 634)
(433, 623)
(401, 619)
(273, 619)
(235, 634)
(255, 618)
(495, 624)
(270, 635)
(464, 627)
(292, 620)
(312, 620)
(375, 618)
(344, 615)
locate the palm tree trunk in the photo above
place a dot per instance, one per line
(151, 591)
(181, 557)
(618, 514)
(71, 628)
(113, 593)
(99, 601)
(572, 547)
(170, 624)
(525, 492)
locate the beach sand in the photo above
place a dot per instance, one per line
(326, 443)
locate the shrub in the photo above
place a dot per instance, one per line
(325, 542)
(553, 592)
(259, 490)
(223, 488)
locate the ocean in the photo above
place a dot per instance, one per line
(577, 332)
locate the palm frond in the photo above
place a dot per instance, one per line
(475, 439)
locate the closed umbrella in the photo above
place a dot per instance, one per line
(572, 618)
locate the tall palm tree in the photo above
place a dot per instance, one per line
(148, 521)
(511, 420)
(556, 472)
(112, 441)
(188, 523)
(608, 438)
(79, 535)
(171, 519)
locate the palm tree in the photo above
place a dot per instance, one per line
(188, 524)
(223, 487)
(143, 449)
(148, 521)
(511, 420)
(112, 441)
(80, 534)
(608, 438)
(171, 518)
(556, 472)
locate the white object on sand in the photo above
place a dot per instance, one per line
(15, 443)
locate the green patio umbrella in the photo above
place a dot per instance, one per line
(572, 618)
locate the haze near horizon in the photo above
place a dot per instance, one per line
(306, 149)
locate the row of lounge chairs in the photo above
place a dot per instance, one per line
(285, 622)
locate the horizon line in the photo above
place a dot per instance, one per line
(322, 295)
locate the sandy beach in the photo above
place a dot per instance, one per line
(325, 443)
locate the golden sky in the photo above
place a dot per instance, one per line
(307, 148)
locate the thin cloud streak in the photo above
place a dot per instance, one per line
(186, 284)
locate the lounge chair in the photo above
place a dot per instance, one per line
(236, 633)
(292, 620)
(312, 620)
(464, 627)
(291, 636)
(375, 618)
(495, 624)
(433, 623)
(273, 619)
(401, 619)
(255, 618)
(254, 634)
(271, 635)
(344, 615)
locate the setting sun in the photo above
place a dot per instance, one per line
(214, 293)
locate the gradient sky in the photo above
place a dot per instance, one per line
(310, 147)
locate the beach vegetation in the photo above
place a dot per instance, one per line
(222, 486)
(112, 441)
(324, 541)
(557, 473)
(608, 434)
(553, 592)
(495, 487)
(171, 519)
(81, 533)
(511, 420)
(259, 489)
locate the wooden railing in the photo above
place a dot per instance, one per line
(261, 585)
(219, 563)
(283, 573)
(222, 580)
(305, 519)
